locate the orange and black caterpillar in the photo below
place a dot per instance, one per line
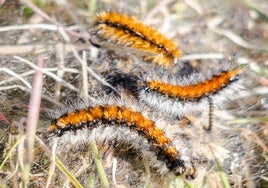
(111, 115)
(127, 31)
(179, 95)
(197, 91)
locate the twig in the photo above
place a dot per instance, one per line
(32, 119)
(29, 26)
(16, 76)
(193, 4)
(55, 77)
(37, 48)
(47, 17)
(202, 56)
(85, 77)
(3, 88)
(52, 165)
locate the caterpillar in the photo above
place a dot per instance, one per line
(194, 92)
(176, 95)
(129, 32)
(107, 115)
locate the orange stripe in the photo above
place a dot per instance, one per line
(196, 91)
(127, 31)
(123, 116)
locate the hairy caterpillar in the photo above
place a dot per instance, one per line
(112, 115)
(128, 31)
(176, 95)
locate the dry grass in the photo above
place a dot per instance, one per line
(45, 43)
